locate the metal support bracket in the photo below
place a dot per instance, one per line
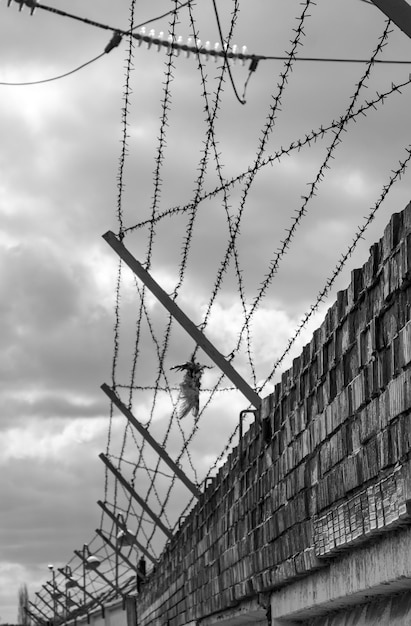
(240, 434)
(116, 549)
(35, 618)
(200, 339)
(153, 443)
(135, 495)
(123, 527)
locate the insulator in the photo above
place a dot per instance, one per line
(142, 34)
(198, 43)
(207, 48)
(29, 3)
(151, 35)
(189, 45)
(216, 50)
(235, 53)
(179, 43)
(244, 52)
(160, 43)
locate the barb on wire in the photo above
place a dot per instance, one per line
(298, 144)
(211, 115)
(396, 175)
(314, 185)
(296, 220)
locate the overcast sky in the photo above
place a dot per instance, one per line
(60, 145)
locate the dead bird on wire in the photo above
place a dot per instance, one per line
(189, 398)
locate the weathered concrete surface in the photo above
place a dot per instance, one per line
(324, 475)
(247, 612)
(381, 568)
(119, 613)
(394, 611)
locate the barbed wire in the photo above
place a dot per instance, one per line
(300, 213)
(261, 147)
(119, 215)
(298, 144)
(209, 142)
(341, 263)
(121, 500)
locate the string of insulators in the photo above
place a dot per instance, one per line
(191, 46)
(176, 44)
(29, 3)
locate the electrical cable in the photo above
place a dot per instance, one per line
(114, 42)
(220, 32)
(254, 58)
(49, 80)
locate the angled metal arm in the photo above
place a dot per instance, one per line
(399, 12)
(44, 601)
(135, 495)
(89, 595)
(106, 580)
(123, 527)
(35, 618)
(118, 551)
(150, 439)
(200, 339)
(46, 617)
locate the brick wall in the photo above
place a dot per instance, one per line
(326, 466)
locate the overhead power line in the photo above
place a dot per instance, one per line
(176, 44)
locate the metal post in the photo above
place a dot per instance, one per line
(200, 339)
(53, 597)
(148, 437)
(240, 434)
(132, 492)
(44, 601)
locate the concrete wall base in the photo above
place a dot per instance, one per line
(372, 571)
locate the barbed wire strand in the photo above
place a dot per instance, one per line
(298, 144)
(119, 215)
(319, 178)
(300, 213)
(299, 31)
(210, 141)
